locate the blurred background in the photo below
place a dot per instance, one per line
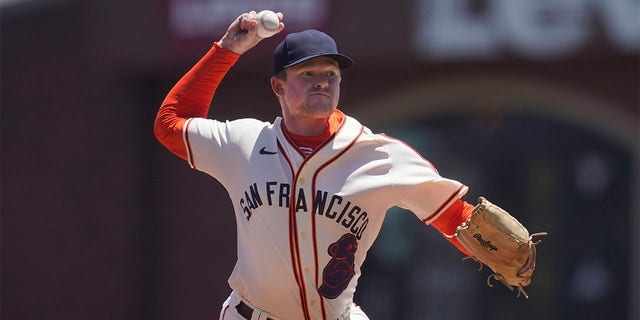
(531, 103)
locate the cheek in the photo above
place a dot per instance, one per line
(336, 90)
(297, 88)
(335, 84)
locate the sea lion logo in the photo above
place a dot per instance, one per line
(338, 272)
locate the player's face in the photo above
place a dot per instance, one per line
(311, 89)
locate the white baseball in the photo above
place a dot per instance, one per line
(268, 23)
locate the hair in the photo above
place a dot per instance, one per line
(282, 75)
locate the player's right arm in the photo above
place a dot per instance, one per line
(191, 96)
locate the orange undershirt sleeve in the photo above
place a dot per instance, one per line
(191, 97)
(449, 220)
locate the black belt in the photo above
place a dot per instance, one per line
(245, 311)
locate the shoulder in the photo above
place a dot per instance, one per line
(397, 149)
(368, 136)
(243, 125)
(229, 131)
(384, 139)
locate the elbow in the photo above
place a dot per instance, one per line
(167, 129)
(158, 128)
(166, 120)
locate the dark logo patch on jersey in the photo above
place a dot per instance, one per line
(338, 272)
(265, 151)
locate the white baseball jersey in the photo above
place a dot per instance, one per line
(305, 224)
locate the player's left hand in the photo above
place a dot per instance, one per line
(495, 238)
(242, 34)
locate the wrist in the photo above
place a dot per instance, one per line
(230, 45)
(218, 47)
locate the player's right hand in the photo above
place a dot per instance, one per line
(242, 34)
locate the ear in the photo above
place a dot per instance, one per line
(276, 86)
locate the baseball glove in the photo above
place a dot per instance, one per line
(496, 239)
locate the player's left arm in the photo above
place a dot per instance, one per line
(433, 199)
(450, 219)
(484, 232)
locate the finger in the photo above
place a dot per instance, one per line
(248, 20)
(281, 25)
(243, 20)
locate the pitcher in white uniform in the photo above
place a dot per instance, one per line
(310, 189)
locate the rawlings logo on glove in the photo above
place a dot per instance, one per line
(494, 238)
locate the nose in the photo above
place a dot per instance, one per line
(321, 83)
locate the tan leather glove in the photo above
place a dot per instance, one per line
(494, 238)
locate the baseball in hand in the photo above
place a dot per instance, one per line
(268, 23)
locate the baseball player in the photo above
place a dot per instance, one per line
(309, 190)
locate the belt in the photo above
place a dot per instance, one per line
(245, 311)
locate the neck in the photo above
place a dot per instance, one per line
(307, 127)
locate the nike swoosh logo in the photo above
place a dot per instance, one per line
(263, 151)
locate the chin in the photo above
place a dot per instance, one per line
(320, 111)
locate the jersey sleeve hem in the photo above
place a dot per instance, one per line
(459, 193)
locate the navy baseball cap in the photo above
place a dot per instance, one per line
(301, 46)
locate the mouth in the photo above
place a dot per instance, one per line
(320, 94)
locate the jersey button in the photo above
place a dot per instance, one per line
(301, 180)
(303, 234)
